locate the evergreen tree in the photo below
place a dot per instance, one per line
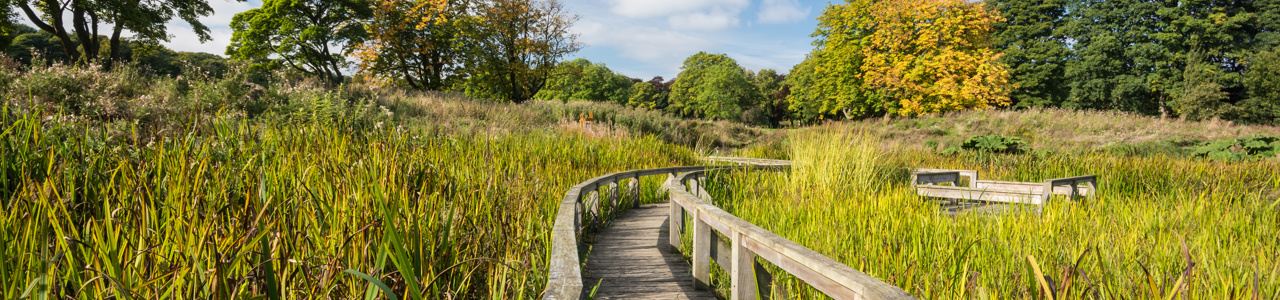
(1034, 49)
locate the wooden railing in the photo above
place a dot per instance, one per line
(748, 241)
(564, 280)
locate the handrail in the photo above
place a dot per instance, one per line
(564, 278)
(748, 241)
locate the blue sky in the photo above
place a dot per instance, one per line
(638, 38)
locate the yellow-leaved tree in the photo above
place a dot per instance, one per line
(933, 56)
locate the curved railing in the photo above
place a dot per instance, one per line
(748, 241)
(564, 280)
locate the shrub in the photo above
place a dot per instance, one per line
(993, 143)
(1247, 148)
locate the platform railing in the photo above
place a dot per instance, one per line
(748, 242)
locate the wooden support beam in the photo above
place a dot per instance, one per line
(701, 253)
(743, 275)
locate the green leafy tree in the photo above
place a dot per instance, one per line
(146, 20)
(1117, 51)
(1034, 49)
(806, 100)
(712, 86)
(309, 36)
(580, 79)
(646, 95)
(515, 47)
(1263, 84)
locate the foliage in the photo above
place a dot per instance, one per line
(517, 45)
(1263, 83)
(1033, 48)
(145, 20)
(1202, 96)
(1247, 148)
(580, 79)
(934, 56)
(416, 43)
(712, 86)
(900, 57)
(645, 95)
(996, 143)
(299, 35)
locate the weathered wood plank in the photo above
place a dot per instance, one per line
(627, 261)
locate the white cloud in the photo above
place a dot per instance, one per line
(183, 38)
(638, 9)
(716, 19)
(782, 11)
(638, 42)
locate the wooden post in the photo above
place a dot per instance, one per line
(743, 277)
(593, 204)
(701, 253)
(613, 194)
(1074, 186)
(633, 188)
(673, 224)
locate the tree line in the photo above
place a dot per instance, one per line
(1193, 59)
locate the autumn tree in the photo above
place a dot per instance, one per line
(82, 42)
(416, 43)
(580, 79)
(514, 47)
(310, 36)
(933, 56)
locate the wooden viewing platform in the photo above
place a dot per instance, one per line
(636, 259)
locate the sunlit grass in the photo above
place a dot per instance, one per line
(238, 208)
(848, 198)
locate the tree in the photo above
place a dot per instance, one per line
(645, 95)
(417, 43)
(516, 45)
(580, 79)
(805, 99)
(1263, 83)
(933, 56)
(1034, 50)
(146, 21)
(310, 36)
(832, 83)
(712, 86)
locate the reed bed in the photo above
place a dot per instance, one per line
(237, 208)
(1159, 228)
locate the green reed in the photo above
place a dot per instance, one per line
(249, 209)
(1159, 227)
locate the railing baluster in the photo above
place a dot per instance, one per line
(743, 277)
(701, 252)
(673, 222)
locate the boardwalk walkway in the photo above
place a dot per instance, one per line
(628, 260)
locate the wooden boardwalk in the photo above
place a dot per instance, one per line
(629, 260)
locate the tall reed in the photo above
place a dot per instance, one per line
(1159, 227)
(247, 209)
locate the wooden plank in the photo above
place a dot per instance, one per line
(743, 277)
(980, 195)
(626, 262)
(701, 253)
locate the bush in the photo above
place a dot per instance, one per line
(994, 143)
(1248, 148)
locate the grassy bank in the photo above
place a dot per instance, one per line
(1160, 227)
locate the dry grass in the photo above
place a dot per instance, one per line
(1054, 129)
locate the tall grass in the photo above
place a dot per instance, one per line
(1159, 227)
(232, 207)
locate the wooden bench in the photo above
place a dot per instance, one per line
(926, 181)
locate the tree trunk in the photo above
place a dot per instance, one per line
(54, 27)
